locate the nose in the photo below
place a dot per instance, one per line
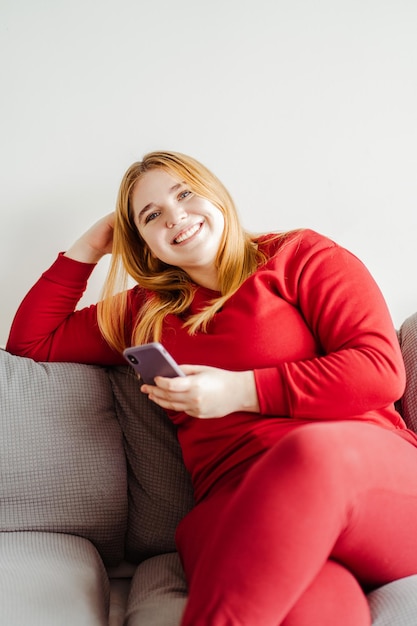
(174, 216)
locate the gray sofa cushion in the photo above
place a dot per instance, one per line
(395, 604)
(158, 592)
(61, 453)
(160, 491)
(50, 579)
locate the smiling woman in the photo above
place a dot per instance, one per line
(179, 227)
(285, 415)
(175, 226)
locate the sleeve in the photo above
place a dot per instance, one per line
(360, 366)
(47, 327)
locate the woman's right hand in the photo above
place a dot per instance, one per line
(95, 242)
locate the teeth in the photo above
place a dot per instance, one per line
(187, 234)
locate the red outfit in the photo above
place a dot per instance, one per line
(314, 327)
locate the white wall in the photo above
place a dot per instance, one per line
(305, 109)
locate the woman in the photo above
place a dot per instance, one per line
(302, 469)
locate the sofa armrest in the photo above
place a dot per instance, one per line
(48, 579)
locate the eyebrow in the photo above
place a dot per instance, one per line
(149, 206)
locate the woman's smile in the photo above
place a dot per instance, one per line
(186, 235)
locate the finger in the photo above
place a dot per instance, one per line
(169, 405)
(169, 401)
(146, 388)
(161, 394)
(193, 369)
(177, 384)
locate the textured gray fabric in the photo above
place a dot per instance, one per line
(395, 604)
(160, 491)
(62, 463)
(158, 593)
(407, 336)
(50, 579)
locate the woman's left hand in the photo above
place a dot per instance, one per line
(205, 392)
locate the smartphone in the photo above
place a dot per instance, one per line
(150, 360)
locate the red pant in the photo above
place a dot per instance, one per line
(294, 539)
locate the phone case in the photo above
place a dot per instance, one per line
(152, 360)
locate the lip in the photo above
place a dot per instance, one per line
(182, 232)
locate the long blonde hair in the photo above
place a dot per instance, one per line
(171, 288)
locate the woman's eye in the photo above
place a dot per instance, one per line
(151, 216)
(184, 194)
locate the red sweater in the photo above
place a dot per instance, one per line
(311, 323)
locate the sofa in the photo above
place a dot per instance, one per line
(92, 487)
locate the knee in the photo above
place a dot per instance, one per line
(334, 597)
(320, 448)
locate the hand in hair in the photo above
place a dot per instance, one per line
(95, 242)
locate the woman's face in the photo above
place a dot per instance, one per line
(180, 228)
